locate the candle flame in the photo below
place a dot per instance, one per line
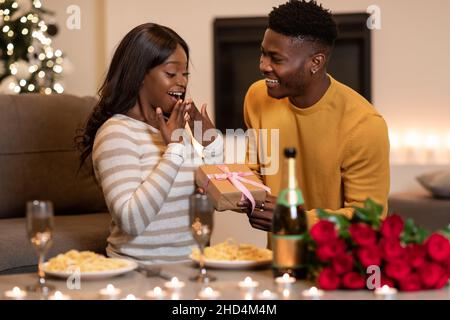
(267, 293)
(110, 288)
(157, 291)
(16, 291)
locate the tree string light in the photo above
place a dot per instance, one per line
(28, 62)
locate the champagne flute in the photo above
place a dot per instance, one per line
(201, 213)
(40, 228)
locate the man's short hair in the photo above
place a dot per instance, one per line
(304, 20)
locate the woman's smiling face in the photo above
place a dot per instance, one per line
(166, 83)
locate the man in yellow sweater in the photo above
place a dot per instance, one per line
(341, 140)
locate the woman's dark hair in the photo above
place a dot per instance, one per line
(142, 49)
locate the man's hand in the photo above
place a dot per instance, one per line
(261, 218)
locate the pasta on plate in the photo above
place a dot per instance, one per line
(85, 261)
(230, 250)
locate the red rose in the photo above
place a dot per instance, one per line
(391, 249)
(327, 252)
(392, 227)
(363, 234)
(438, 247)
(328, 279)
(416, 254)
(441, 282)
(397, 269)
(353, 280)
(323, 232)
(369, 256)
(447, 266)
(430, 274)
(411, 283)
(342, 263)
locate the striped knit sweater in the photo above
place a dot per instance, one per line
(146, 185)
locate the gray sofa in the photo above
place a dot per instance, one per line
(38, 161)
(427, 211)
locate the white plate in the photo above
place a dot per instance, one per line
(94, 275)
(236, 264)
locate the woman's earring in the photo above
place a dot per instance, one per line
(313, 71)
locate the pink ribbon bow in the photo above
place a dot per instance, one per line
(236, 178)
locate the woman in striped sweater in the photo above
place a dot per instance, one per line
(141, 154)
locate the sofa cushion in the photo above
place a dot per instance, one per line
(437, 182)
(38, 159)
(80, 232)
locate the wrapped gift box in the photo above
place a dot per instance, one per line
(221, 191)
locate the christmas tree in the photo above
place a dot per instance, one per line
(28, 63)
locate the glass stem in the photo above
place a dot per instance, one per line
(202, 259)
(41, 273)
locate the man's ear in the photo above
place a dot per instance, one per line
(318, 62)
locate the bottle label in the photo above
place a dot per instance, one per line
(288, 251)
(290, 197)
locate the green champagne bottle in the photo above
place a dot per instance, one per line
(289, 224)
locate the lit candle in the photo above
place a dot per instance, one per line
(286, 293)
(175, 296)
(110, 292)
(209, 293)
(157, 293)
(313, 293)
(267, 295)
(174, 284)
(58, 295)
(285, 282)
(248, 296)
(248, 285)
(385, 292)
(16, 294)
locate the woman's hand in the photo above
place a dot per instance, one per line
(201, 116)
(172, 130)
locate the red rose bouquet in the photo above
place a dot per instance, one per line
(368, 252)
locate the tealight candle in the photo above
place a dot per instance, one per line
(313, 293)
(157, 293)
(385, 292)
(174, 284)
(58, 295)
(110, 292)
(248, 285)
(209, 293)
(267, 295)
(286, 293)
(285, 281)
(248, 296)
(175, 296)
(16, 294)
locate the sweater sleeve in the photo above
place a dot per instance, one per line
(132, 199)
(251, 158)
(365, 167)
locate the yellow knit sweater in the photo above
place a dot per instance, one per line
(342, 147)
